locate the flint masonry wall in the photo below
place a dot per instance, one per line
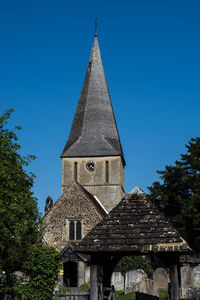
(72, 205)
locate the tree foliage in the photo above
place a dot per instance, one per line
(128, 263)
(41, 270)
(20, 238)
(18, 207)
(178, 194)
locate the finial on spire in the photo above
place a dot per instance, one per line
(95, 32)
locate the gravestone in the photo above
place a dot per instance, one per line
(186, 277)
(196, 277)
(161, 278)
(151, 288)
(135, 281)
(118, 281)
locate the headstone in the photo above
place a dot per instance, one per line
(186, 277)
(152, 288)
(135, 281)
(161, 278)
(196, 277)
(189, 293)
(118, 281)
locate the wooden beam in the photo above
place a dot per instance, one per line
(93, 282)
(174, 282)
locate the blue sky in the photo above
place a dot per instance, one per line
(151, 56)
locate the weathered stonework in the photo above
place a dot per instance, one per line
(196, 277)
(136, 280)
(117, 280)
(109, 193)
(161, 278)
(74, 204)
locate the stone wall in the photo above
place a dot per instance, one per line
(109, 193)
(75, 205)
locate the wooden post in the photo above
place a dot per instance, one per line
(174, 282)
(93, 282)
(56, 295)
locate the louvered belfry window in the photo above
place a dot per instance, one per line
(107, 171)
(75, 170)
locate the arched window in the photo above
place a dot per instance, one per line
(78, 230)
(71, 231)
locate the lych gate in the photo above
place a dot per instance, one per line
(133, 227)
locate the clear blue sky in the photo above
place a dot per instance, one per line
(151, 56)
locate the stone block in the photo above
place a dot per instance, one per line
(161, 278)
(189, 293)
(186, 277)
(118, 281)
(135, 281)
(196, 277)
(151, 288)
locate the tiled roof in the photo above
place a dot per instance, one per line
(94, 130)
(134, 225)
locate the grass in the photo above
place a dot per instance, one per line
(85, 287)
(63, 289)
(120, 296)
(163, 295)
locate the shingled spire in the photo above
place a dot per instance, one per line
(94, 130)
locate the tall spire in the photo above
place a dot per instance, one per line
(94, 129)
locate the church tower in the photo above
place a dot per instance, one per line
(93, 155)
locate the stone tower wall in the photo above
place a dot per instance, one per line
(109, 193)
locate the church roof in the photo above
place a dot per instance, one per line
(94, 130)
(69, 253)
(99, 206)
(134, 225)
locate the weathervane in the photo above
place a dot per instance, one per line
(95, 32)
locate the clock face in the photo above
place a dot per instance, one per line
(91, 166)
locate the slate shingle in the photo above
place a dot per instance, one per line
(135, 224)
(94, 130)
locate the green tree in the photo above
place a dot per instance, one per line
(18, 207)
(41, 271)
(21, 247)
(178, 194)
(128, 263)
